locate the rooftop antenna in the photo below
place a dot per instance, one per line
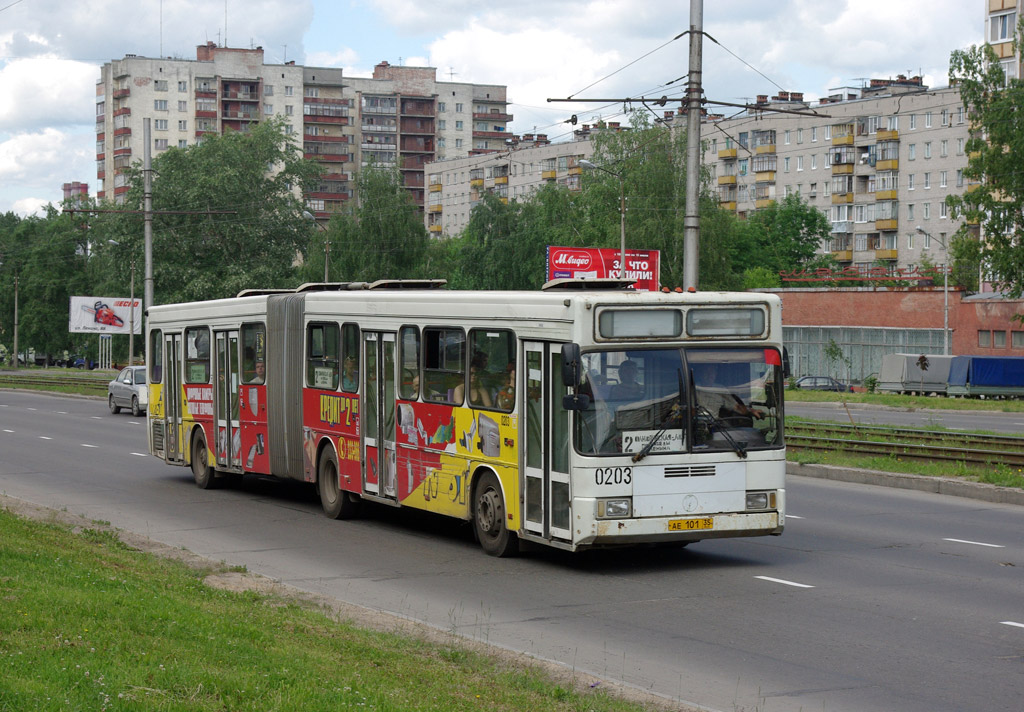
(225, 23)
(285, 55)
(451, 73)
(161, 28)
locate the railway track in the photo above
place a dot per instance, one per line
(903, 443)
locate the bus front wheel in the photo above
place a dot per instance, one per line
(337, 503)
(201, 470)
(489, 518)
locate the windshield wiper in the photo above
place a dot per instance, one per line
(724, 430)
(672, 413)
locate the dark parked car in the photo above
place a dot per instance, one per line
(822, 383)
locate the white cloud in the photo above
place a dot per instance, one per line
(30, 206)
(47, 92)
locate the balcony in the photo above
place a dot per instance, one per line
(764, 203)
(491, 134)
(436, 187)
(846, 140)
(501, 180)
(842, 255)
(889, 164)
(434, 209)
(728, 205)
(843, 226)
(492, 117)
(476, 183)
(122, 93)
(727, 153)
(842, 169)
(575, 170)
(840, 198)
(887, 135)
(888, 224)
(886, 194)
(886, 254)
(434, 228)
(765, 176)
(765, 149)
(548, 175)
(726, 180)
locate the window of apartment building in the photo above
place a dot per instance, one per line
(1001, 27)
(289, 91)
(160, 104)
(814, 133)
(268, 109)
(860, 213)
(814, 161)
(441, 124)
(828, 132)
(160, 85)
(960, 114)
(441, 106)
(944, 117)
(959, 147)
(741, 168)
(910, 240)
(799, 163)
(911, 151)
(182, 106)
(943, 210)
(943, 148)
(873, 123)
(927, 180)
(927, 149)
(786, 140)
(289, 110)
(481, 126)
(959, 177)
(458, 108)
(183, 86)
(910, 211)
(458, 143)
(913, 121)
(159, 124)
(785, 165)
(458, 126)
(789, 190)
(999, 339)
(289, 129)
(182, 143)
(860, 242)
(927, 119)
(799, 135)
(160, 144)
(182, 125)
(984, 339)
(826, 189)
(268, 90)
(910, 181)
(313, 92)
(441, 142)
(813, 192)
(926, 211)
(942, 178)
(894, 123)
(1017, 339)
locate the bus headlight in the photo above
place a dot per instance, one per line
(760, 500)
(613, 508)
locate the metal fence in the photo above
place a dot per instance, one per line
(862, 349)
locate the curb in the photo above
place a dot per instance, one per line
(938, 485)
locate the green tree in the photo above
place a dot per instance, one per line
(784, 236)
(995, 195)
(229, 215)
(383, 238)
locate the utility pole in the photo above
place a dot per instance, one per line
(16, 321)
(147, 211)
(691, 219)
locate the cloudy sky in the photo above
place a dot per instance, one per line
(51, 52)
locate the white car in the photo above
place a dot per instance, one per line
(129, 390)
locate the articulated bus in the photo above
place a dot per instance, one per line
(581, 415)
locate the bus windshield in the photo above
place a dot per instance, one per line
(653, 401)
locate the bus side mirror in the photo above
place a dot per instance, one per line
(571, 365)
(575, 401)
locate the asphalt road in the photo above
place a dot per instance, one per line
(873, 599)
(1009, 423)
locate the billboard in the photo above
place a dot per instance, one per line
(643, 266)
(104, 315)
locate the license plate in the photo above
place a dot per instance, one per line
(687, 525)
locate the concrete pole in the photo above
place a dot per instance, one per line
(622, 227)
(691, 220)
(131, 319)
(16, 321)
(147, 209)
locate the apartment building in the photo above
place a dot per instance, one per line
(456, 185)
(1001, 17)
(878, 160)
(401, 116)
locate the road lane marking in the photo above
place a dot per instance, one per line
(1013, 623)
(976, 543)
(88, 445)
(96, 417)
(793, 516)
(140, 454)
(44, 437)
(783, 581)
(8, 431)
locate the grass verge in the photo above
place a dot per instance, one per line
(907, 402)
(89, 623)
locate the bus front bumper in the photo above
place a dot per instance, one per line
(658, 530)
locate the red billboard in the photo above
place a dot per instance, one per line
(643, 266)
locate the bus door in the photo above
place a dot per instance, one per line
(172, 398)
(225, 401)
(546, 435)
(378, 413)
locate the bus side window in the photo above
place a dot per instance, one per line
(444, 363)
(197, 355)
(409, 358)
(156, 356)
(322, 367)
(494, 354)
(350, 358)
(254, 346)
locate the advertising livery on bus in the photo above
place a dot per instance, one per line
(582, 415)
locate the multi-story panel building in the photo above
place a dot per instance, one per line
(456, 185)
(879, 161)
(1001, 17)
(401, 116)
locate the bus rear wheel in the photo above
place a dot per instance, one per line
(337, 503)
(489, 518)
(201, 471)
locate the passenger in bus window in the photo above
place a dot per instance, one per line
(507, 395)
(350, 375)
(478, 394)
(261, 371)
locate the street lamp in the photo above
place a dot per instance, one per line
(945, 291)
(622, 210)
(327, 240)
(131, 310)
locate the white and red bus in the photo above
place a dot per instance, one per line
(581, 415)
